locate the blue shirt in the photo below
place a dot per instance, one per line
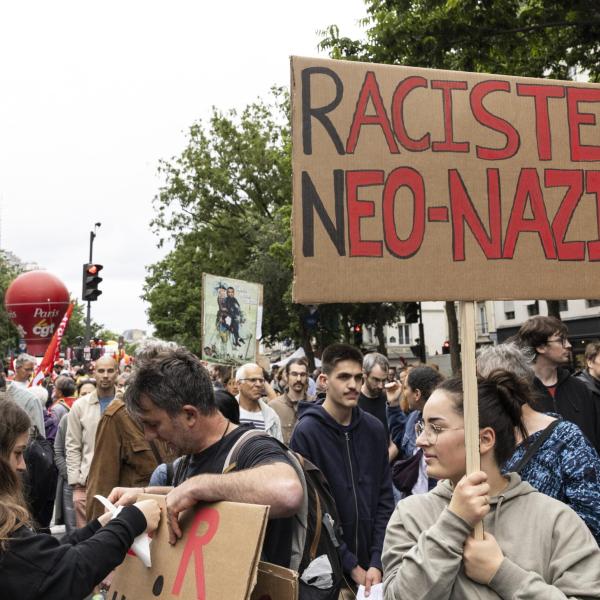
(565, 467)
(104, 402)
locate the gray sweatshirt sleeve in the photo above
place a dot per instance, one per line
(425, 567)
(60, 458)
(573, 568)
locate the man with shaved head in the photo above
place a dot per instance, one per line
(82, 423)
(253, 409)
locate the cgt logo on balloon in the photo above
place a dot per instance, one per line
(43, 329)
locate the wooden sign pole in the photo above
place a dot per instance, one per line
(470, 403)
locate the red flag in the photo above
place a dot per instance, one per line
(53, 351)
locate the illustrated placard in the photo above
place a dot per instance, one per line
(231, 319)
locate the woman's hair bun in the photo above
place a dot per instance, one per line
(512, 392)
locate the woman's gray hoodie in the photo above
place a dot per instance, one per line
(549, 552)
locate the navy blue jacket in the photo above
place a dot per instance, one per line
(354, 459)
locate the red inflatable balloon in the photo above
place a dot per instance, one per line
(36, 302)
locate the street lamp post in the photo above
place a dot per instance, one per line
(88, 319)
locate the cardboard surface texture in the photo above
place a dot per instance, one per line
(419, 184)
(275, 583)
(216, 558)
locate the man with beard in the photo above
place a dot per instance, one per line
(379, 397)
(286, 405)
(556, 389)
(172, 396)
(373, 398)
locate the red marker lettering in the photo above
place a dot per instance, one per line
(194, 547)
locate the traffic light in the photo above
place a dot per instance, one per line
(411, 312)
(91, 279)
(446, 347)
(358, 337)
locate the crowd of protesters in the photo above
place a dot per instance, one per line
(389, 441)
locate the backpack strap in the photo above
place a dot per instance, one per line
(170, 473)
(181, 470)
(232, 458)
(318, 524)
(318, 515)
(155, 451)
(301, 517)
(533, 448)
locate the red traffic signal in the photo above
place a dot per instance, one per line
(357, 328)
(91, 279)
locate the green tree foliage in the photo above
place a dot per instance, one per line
(9, 337)
(535, 38)
(226, 208)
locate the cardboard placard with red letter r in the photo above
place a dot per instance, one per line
(216, 558)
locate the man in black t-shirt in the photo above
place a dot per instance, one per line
(171, 394)
(377, 393)
(373, 398)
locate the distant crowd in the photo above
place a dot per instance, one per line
(387, 443)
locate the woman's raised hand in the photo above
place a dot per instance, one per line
(470, 500)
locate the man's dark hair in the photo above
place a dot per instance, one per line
(228, 406)
(592, 350)
(536, 331)
(65, 385)
(171, 377)
(336, 353)
(424, 379)
(221, 371)
(296, 361)
(229, 375)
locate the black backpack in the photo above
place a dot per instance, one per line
(40, 479)
(317, 528)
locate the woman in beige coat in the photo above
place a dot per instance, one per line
(534, 546)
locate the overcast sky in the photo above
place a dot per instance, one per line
(93, 94)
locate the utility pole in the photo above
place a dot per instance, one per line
(88, 319)
(423, 350)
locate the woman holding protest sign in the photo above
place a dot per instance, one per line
(534, 546)
(38, 566)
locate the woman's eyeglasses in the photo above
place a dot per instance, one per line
(432, 430)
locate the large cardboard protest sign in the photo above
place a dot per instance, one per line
(419, 184)
(231, 319)
(216, 558)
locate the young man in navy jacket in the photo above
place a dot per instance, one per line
(350, 447)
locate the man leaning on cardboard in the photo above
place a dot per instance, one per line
(172, 396)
